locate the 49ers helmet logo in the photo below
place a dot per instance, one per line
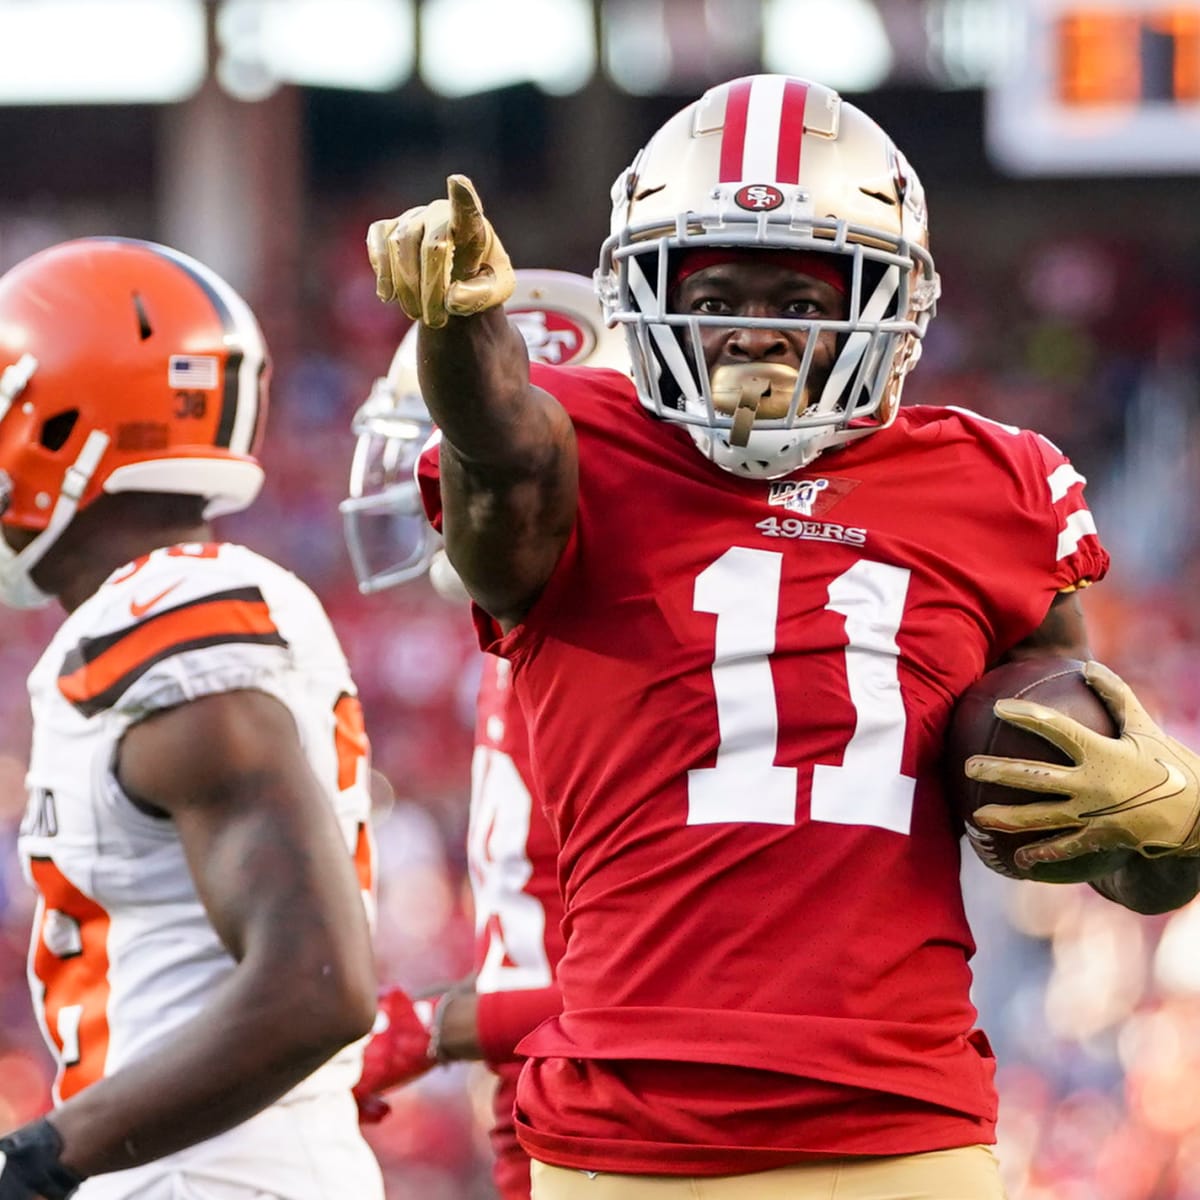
(551, 337)
(758, 197)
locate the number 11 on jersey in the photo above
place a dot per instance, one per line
(742, 589)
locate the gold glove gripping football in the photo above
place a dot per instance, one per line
(1139, 791)
(441, 260)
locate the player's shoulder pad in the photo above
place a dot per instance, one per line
(1050, 489)
(176, 599)
(1025, 452)
(975, 424)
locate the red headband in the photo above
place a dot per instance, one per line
(825, 267)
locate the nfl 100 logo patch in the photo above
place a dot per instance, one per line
(809, 497)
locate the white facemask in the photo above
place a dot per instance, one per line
(17, 589)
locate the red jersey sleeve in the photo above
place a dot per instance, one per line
(427, 479)
(1080, 558)
(504, 1018)
(1051, 492)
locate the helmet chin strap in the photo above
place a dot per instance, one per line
(17, 588)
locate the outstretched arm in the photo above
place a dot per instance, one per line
(508, 457)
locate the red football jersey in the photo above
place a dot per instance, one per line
(737, 691)
(511, 855)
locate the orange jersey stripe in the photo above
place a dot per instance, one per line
(92, 673)
(364, 859)
(350, 740)
(74, 976)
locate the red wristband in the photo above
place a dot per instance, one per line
(504, 1018)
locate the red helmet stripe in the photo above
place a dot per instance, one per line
(791, 131)
(733, 136)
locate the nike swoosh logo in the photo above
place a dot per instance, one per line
(140, 610)
(1172, 783)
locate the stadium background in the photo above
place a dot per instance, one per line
(1070, 304)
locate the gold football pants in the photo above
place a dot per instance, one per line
(965, 1173)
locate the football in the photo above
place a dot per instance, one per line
(975, 729)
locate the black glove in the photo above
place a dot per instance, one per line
(29, 1165)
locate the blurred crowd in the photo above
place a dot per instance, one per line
(1094, 1012)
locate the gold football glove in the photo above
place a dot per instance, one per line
(1139, 791)
(441, 260)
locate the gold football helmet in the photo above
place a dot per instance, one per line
(769, 162)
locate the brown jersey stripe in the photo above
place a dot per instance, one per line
(98, 670)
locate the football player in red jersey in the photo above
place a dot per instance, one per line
(511, 851)
(740, 597)
(197, 828)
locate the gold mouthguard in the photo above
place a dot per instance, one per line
(750, 390)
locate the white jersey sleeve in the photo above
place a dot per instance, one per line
(184, 622)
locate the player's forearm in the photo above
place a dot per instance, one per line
(1152, 885)
(489, 1025)
(508, 461)
(474, 374)
(458, 1030)
(251, 1046)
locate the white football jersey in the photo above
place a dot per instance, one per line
(122, 952)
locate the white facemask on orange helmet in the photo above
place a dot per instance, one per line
(766, 163)
(124, 366)
(387, 535)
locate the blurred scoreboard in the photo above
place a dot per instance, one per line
(1094, 87)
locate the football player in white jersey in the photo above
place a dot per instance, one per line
(511, 851)
(197, 828)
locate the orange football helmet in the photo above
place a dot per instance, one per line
(124, 366)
